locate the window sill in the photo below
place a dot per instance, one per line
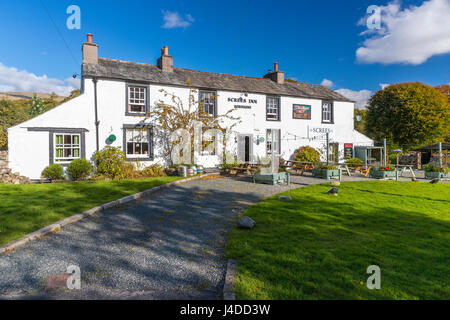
(135, 114)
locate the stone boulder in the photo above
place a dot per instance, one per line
(57, 281)
(284, 198)
(246, 223)
(333, 191)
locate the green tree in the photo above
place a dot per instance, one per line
(13, 112)
(37, 106)
(408, 115)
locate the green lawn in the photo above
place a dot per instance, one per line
(318, 246)
(27, 208)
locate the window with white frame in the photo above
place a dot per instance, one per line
(273, 108)
(137, 99)
(137, 142)
(67, 147)
(276, 141)
(207, 102)
(327, 111)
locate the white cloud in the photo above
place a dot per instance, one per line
(12, 79)
(6, 88)
(327, 83)
(174, 20)
(384, 85)
(360, 97)
(409, 36)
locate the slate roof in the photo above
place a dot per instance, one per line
(131, 71)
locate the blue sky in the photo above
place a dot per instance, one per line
(311, 40)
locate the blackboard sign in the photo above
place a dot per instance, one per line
(348, 150)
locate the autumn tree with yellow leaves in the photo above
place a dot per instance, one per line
(409, 115)
(169, 117)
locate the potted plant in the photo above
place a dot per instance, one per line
(354, 162)
(388, 171)
(325, 171)
(433, 171)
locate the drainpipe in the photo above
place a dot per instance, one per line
(97, 122)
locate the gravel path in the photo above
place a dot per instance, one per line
(169, 245)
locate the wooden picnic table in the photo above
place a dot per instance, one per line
(405, 167)
(250, 168)
(299, 165)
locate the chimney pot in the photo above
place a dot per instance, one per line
(90, 50)
(276, 76)
(165, 62)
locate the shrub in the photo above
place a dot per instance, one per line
(53, 172)
(79, 169)
(129, 171)
(353, 161)
(155, 170)
(325, 166)
(111, 162)
(435, 168)
(307, 154)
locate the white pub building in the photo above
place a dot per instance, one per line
(116, 96)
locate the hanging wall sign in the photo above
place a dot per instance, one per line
(348, 150)
(301, 111)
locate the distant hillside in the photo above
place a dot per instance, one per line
(28, 96)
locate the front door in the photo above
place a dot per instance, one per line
(245, 147)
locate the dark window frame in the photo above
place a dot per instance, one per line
(51, 149)
(151, 144)
(278, 108)
(331, 121)
(147, 99)
(214, 94)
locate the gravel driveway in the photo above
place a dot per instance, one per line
(169, 245)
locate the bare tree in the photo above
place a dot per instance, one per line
(169, 117)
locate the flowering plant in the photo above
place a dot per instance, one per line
(386, 168)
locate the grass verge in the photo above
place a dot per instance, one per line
(27, 208)
(318, 246)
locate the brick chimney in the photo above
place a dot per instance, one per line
(165, 62)
(90, 50)
(276, 76)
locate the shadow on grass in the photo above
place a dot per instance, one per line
(319, 247)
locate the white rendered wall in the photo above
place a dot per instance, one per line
(29, 150)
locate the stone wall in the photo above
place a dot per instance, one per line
(6, 176)
(445, 159)
(413, 159)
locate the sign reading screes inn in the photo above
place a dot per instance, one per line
(242, 100)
